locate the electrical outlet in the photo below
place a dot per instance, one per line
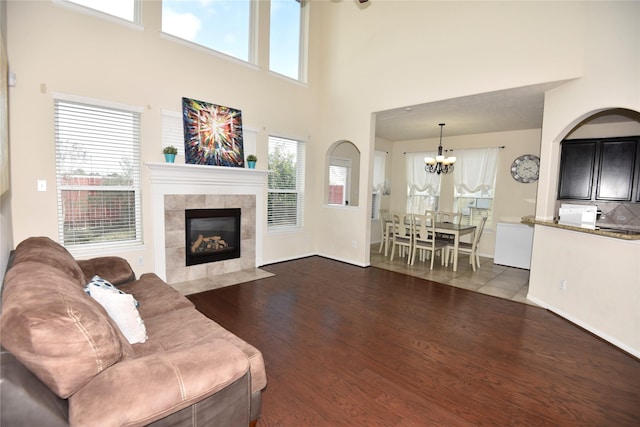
(354, 244)
(140, 260)
(563, 285)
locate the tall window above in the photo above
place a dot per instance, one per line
(221, 25)
(128, 10)
(286, 47)
(285, 200)
(98, 173)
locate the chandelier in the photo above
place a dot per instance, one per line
(439, 164)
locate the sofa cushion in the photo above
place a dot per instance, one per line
(115, 269)
(195, 327)
(139, 391)
(54, 328)
(120, 306)
(155, 296)
(46, 251)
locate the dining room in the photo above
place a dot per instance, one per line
(479, 188)
(488, 278)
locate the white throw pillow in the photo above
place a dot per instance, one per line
(121, 307)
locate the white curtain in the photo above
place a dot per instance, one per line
(379, 166)
(475, 170)
(421, 183)
(418, 180)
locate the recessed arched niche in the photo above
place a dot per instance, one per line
(343, 174)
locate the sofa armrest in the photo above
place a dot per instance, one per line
(139, 391)
(112, 268)
(25, 400)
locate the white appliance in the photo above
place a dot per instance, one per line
(583, 216)
(513, 245)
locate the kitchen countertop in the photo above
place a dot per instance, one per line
(622, 234)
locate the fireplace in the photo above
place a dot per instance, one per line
(211, 235)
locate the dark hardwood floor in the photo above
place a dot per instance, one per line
(345, 346)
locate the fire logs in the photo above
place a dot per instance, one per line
(206, 244)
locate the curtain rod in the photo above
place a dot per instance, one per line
(500, 147)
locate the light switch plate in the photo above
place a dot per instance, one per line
(42, 185)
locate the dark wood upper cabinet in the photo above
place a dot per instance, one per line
(616, 170)
(577, 160)
(600, 169)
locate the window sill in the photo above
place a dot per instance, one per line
(105, 249)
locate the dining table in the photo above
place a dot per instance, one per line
(448, 228)
(456, 230)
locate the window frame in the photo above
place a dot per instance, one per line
(136, 23)
(108, 246)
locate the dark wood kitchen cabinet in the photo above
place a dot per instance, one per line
(577, 161)
(600, 169)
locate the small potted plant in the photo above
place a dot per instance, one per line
(251, 161)
(170, 153)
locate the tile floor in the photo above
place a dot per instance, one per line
(491, 279)
(219, 281)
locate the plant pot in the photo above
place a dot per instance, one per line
(252, 165)
(169, 158)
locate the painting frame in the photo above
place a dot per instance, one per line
(212, 134)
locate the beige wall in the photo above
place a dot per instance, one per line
(364, 59)
(603, 291)
(395, 54)
(54, 49)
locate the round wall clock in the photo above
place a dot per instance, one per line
(526, 168)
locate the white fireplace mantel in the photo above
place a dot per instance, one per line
(174, 178)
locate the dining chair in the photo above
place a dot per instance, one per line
(425, 240)
(402, 236)
(385, 219)
(469, 248)
(452, 217)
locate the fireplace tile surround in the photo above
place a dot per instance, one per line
(174, 230)
(176, 187)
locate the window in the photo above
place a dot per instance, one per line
(128, 10)
(286, 37)
(380, 183)
(98, 173)
(339, 181)
(285, 200)
(423, 189)
(475, 181)
(222, 25)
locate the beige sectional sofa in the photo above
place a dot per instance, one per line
(65, 360)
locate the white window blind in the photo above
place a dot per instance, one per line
(98, 174)
(172, 131)
(285, 204)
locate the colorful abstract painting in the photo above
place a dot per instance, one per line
(212, 134)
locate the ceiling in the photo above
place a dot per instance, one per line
(505, 110)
